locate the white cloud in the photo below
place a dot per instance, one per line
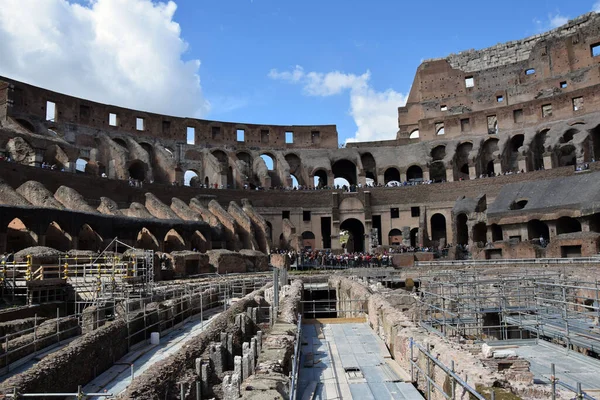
(552, 21)
(122, 52)
(596, 7)
(375, 113)
(558, 20)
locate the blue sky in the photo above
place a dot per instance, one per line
(349, 63)
(240, 41)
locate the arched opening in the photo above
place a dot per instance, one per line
(341, 183)
(137, 170)
(480, 234)
(369, 167)
(169, 151)
(462, 231)
(308, 241)
(294, 181)
(57, 238)
(414, 174)
(120, 142)
(567, 155)
(148, 148)
(173, 242)
(269, 232)
(395, 237)
(55, 157)
(437, 171)
(538, 148)
(391, 175)
(489, 152)
(245, 166)
(190, 178)
(512, 158)
(414, 237)
(595, 137)
(414, 134)
(230, 181)
(18, 237)
(568, 135)
(519, 204)
(88, 239)
(221, 156)
(438, 230)
(269, 161)
(567, 225)
(344, 169)
(80, 165)
(461, 161)
(26, 125)
(356, 235)
(320, 179)
(497, 235)
(295, 167)
(438, 153)
(146, 240)
(206, 182)
(537, 229)
(198, 242)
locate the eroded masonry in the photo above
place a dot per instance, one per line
(148, 256)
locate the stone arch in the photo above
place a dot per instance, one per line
(538, 148)
(56, 157)
(488, 156)
(439, 235)
(497, 234)
(395, 237)
(437, 169)
(345, 169)
(308, 240)
(137, 170)
(567, 225)
(57, 238)
(480, 234)
(415, 134)
(295, 164)
(461, 161)
(462, 230)
(245, 157)
(369, 166)
(173, 241)
(537, 229)
(414, 237)
(414, 174)
(198, 242)
(512, 152)
(146, 240)
(356, 230)
(191, 178)
(88, 239)
(25, 124)
(270, 161)
(221, 156)
(320, 178)
(19, 237)
(595, 143)
(148, 148)
(568, 135)
(567, 155)
(120, 142)
(391, 174)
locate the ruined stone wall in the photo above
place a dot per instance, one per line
(386, 317)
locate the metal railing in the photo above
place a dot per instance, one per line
(513, 261)
(430, 383)
(296, 362)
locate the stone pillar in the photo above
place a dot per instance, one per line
(523, 165)
(259, 335)
(204, 377)
(229, 350)
(497, 167)
(472, 172)
(449, 175)
(245, 366)
(231, 387)
(585, 225)
(216, 358)
(237, 367)
(403, 176)
(426, 175)
(253, 354)
(548, 161)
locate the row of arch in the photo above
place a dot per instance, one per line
(19, 237)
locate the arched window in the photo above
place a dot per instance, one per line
(414, 134)
(414, 174)
(269, 161)
(190, 178)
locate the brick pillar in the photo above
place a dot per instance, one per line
(497, 167)
(548, 161)
(523, 165)
(449, 175)
(472, 172)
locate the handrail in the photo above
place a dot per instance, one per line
(574, 260)
(296, 362)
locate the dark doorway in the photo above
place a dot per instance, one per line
(462, 231)
(356, 230)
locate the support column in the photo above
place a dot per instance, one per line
(449, 175)
(497, 168)
(548, 161)
(472, 172)
(3, 244)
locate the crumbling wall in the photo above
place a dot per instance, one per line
(228, 223)
(9, 196)
(38, 195)
(259, 224)
(69, 367)
(184, 211)
(245, 229)
(109, 207)
(186, 366)
(227, 262)
(397, 330)
(158, 208)
(72, 200)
